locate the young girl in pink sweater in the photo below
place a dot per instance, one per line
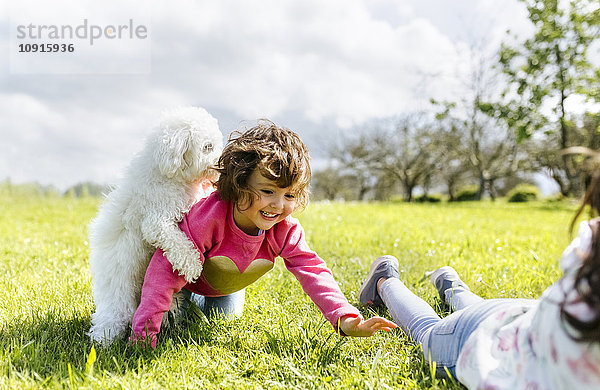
(240, 229)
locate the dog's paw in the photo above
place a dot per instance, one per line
(192, 271)
(186, 260)
(191, 275)
(105, 335)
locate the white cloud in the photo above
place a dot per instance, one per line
(63, 143)
(310, 62)
(328, 60)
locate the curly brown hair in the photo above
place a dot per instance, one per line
(278, 153)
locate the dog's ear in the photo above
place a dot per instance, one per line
(170, 150)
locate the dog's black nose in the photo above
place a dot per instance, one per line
(207, 147)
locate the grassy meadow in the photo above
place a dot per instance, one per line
(282, 341)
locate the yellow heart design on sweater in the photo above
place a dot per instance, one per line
(223, 275)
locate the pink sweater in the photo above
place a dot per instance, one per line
(233, 260)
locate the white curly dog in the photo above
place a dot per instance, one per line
(142, 213)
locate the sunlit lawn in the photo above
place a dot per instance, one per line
(282, 341)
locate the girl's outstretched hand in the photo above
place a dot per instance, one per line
(359, 327)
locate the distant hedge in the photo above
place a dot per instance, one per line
(80, 190)
(467, 193)
(430, 198)
(523, 193)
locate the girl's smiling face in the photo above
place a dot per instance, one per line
(271, 205)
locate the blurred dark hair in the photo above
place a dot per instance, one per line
(587, 280)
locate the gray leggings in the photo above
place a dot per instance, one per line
(441, 339)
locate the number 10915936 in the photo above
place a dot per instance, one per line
(46, 48)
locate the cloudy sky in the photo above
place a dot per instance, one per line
(318, 67)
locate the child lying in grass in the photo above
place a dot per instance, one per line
(240, 229)
(549, 343)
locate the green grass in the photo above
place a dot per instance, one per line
(282, 341)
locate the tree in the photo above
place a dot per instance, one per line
(354, 156)
(448, 146)
(331, 184)
(405, 150)
(7, 187)
(385, 186)
(544, 72)
(475, 140)
(586, 133)
(395, 150)
(85, 189)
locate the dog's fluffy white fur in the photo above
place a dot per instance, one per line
(142, 213)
